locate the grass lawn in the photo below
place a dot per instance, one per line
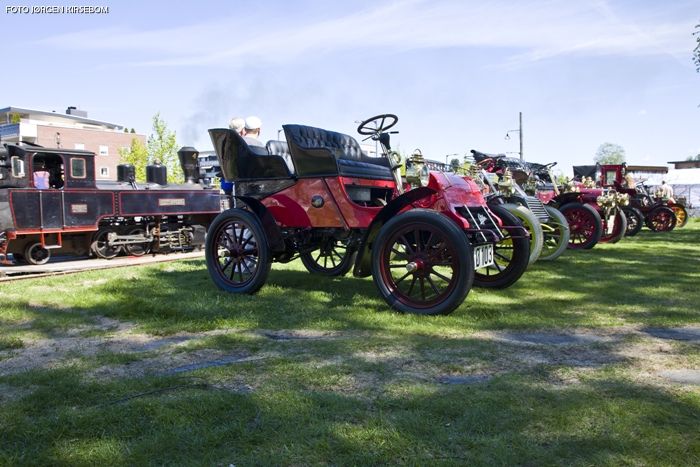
(153, 365)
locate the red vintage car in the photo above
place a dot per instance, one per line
(319, 197)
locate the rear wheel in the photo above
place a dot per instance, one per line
(533, 226)
(556, 235)
(681, 215)
(510, 255)
(101, 247)
(36, 254)
(584, 224)
(237, 253)
(331, 258)
(661, 219)
(618, 229)
(422, 263)
(635, 220)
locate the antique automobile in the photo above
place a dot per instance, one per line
(318, 196)
(657, 214)
(50, 201)
(504, 177)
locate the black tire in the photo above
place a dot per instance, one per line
(635, 220)
(556, 235)
(585, 225)
(36, 254)
(137, 249)
(333, 251)
(618, 230)
(533, 226)
(681, 215)
(101, 248)
(511, 254)
(19, 258)
(425, 247)
(661, 219)
(237, 240)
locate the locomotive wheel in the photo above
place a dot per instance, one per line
(556, 235)
(618, 231)
(681, 215)
(533, 226)
(661, 219)
(331, 258)
(137, 249)
(635, 220)
(510, 254)
(237, 252)
(19, 259)
(422, 263)
(36, 254)
(101, 248)
(585, 225)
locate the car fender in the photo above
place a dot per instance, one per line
(274, 235)
(363, 266)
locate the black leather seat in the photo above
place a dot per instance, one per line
(281, 148)
(240, 161)
(319, 152)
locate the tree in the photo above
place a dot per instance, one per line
(454, 164)
(162, 147)
(693, 158)
(610, 153)
(136, 155)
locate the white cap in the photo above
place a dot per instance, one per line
(253, 123)
(237, 123)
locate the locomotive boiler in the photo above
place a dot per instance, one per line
(51, 201)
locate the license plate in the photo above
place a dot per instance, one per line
(483, 256)
(611, 225)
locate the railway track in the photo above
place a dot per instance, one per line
(71, 265)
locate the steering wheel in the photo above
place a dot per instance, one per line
(377, 124)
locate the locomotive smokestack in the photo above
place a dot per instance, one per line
(189, 161)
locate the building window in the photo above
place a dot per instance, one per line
(80, 146)
(17, 167)
(104, 172)
(77, 167)
(104, 150)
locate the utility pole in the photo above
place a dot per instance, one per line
(521, 135)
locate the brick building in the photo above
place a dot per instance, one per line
(72, 130)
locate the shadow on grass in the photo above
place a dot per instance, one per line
(510, 420)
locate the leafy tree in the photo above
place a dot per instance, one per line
(454, 164)
(610, 153)
(136, 155)
(162, 147)
(693, 158)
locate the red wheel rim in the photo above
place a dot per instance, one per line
(237, 252)
(582, 227)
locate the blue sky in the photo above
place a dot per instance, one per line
(455, 72)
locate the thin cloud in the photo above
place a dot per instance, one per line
(532, 30)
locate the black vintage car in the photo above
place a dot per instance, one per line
(50, 200)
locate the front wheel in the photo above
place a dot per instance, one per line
(510, 254)
(661, 219)
(36, 254)
(422, 263)
(614, 233)
(585, 225)
(237, 253)
(532, 225)
(556, 235)
(635, 220)
(331, 258)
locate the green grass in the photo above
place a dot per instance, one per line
(367, 392)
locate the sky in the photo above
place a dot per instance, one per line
(456, 72)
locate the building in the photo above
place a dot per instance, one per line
(72, 130)
(695, 164)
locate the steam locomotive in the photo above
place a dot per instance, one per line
(50, 201)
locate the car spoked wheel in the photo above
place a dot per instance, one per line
(237, 252)
(585, 225)
(618, 229)
(532, 225)
(661, 219)
(510, 255)
(681, 215)
(36, 254)
(422, 263)
(556, 235)
(331, 258)
(101, 247)
(635, 220)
